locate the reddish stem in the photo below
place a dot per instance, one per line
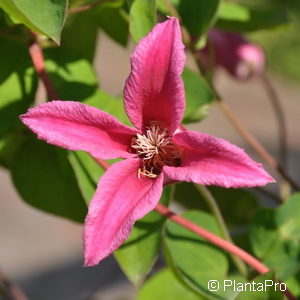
(37, 57)
(104, 164)
(229, 247)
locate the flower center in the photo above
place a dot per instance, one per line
(156, 149)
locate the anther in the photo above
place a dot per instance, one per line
(156, 149)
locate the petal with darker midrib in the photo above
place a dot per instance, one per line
(211, 161)
(121, 199)
(154, 90)
(76, 126)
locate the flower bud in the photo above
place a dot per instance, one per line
(232, 52)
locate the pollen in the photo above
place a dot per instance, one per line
(156, 149)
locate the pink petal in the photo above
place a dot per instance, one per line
(211, 161)
(76, 126)
(154, 90)
(121, 198)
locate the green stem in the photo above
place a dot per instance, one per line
(212, 203)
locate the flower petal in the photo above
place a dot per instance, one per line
(121, 198)
(154, 90)
(76, 126)
(211, 161)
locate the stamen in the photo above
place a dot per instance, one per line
(150, 143)
(156, 149)
(149, 174)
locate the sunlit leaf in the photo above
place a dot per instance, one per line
(46, 16)
(142, 17)
(164, 285)
(235, 17)
(75, 79)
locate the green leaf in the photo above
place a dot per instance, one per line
(142, 18)
(80, 34)
(44, 178)
(293, 284)
(46, 16)
(194, 260)
(138, 254)
(113, 20)
(76, 3)
(235, 17)
(262, 289)
(238, 206)
(110, 104)
(84, 27)
(275, 237)
(287, 217)
(164, 285)
(9, 144)
(196, 15)
(87, 172)
(72, 75)
(261, 4)
(18, 84)
(75, 79)
(198, 95)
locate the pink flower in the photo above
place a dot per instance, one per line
(157, 149)
(232, 52)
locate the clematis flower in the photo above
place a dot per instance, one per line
(234, 53)
(157, 149)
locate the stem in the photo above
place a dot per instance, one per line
(229, 247)
(38, 61)
(282, 130)
(212, 203)
(85, 7)
(278, 110)
(103, 164)
(9, 290)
